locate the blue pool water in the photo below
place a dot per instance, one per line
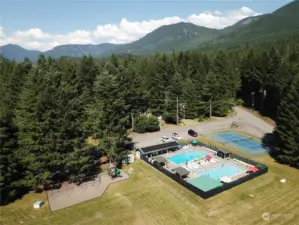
(187, 156)
(221, 171)
(239, 141)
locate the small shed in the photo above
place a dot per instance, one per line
(223, 153)
(129, 159)
(181, 172)
(138, 155)
(38, 204)
(160, 160)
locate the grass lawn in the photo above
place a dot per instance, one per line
(149, 197)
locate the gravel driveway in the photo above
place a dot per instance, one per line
(246, 121)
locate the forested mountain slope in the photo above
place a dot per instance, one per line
(184, 36)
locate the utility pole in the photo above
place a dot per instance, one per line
(177, 110)
(184, 110)
(252, 94)
(132, 118)
(210, 108)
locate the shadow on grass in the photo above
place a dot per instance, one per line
(268, 143)
(13, 195)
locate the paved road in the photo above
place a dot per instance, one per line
(245, 120)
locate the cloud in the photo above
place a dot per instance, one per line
(124, 32)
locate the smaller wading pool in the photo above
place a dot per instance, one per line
(225, 170)
(187, 156)
(210, 179)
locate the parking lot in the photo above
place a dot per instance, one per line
(246, 121)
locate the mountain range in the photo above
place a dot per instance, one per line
(182, 36)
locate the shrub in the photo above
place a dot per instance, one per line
(239, 101)
(169, 118)
(147, 124)
(201, 118)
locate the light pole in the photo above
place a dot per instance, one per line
(252, 94)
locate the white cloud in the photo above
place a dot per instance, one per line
(218, 13)
(124, 32)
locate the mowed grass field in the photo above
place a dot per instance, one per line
(150, 197)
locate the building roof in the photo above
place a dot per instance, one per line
(159, 147)
(160, 159)
(224, 151)
(181, 171)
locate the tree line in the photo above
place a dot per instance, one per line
(49, 109)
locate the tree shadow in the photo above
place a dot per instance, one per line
(19, 193)
(268, 143)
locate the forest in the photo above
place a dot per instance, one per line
(50, 108)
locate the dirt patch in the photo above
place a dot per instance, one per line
(187, 122)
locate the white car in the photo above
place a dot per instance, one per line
(165, 139)
(175, 136)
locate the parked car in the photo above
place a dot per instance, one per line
(192, 133)
(175, 136)
(165, 139)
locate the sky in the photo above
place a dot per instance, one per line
(44, 24)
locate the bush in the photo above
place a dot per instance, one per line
(147, 124)
(239, 101)
(169, 118)
(201, 118)
(152, 124)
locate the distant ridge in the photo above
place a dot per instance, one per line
(182, 36)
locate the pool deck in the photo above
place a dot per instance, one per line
(193, 172)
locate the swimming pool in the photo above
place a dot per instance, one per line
(186, 156)
(226, 170)
(239, 141)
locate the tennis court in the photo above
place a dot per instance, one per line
(239, 141)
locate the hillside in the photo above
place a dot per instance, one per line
(17, 53)
(240, 24)
(183, 36)
(282, 22)
(79, 50)
(180, 36)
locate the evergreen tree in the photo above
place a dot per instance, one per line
(286, 133)
(114, 116)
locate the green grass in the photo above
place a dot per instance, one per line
(150, 197)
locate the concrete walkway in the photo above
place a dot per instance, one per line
(71, 194)
(247, 122)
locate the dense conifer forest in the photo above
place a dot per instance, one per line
(50, 108)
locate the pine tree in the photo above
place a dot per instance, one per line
(37, 122)
(12, 77)
(286, 149)
(111, 98)
(226, 84)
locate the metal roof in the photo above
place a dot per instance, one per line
(224, 151)
(160, 159)
(159, 147)
(181, 171)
